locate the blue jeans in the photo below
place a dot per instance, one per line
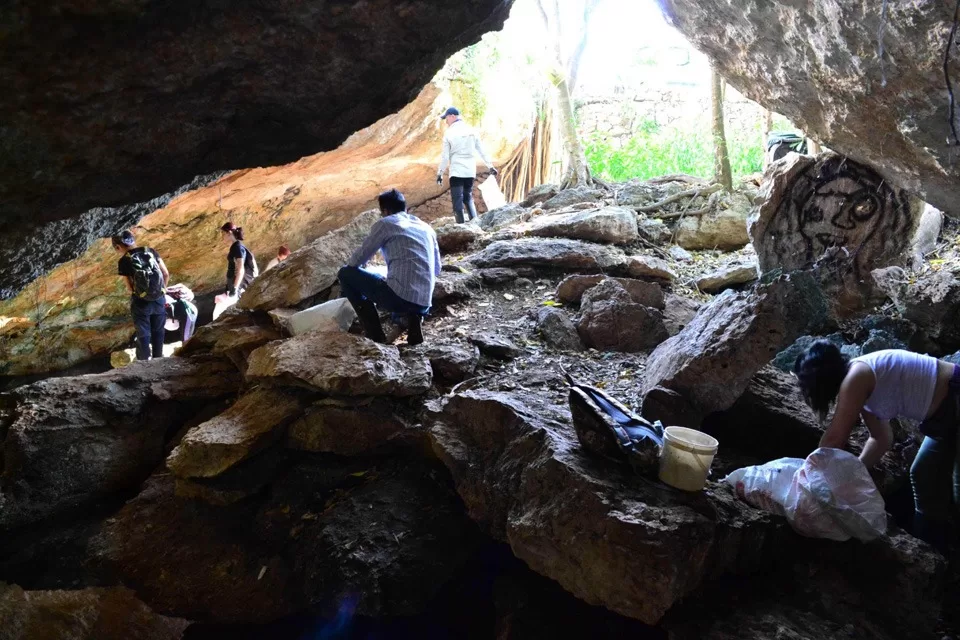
(358, 285)
(935, 472)
(148, 318)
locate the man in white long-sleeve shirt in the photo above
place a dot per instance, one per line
(460, 148)
(410, 249)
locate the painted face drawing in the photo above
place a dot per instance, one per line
(839, 213)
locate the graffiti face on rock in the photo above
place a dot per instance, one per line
(839, 203)
(836, 214)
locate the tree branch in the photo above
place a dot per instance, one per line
(573, 68)
(699, 191)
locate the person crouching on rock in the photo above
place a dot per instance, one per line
(410, 249)
(146, 277)
(889, 384)
(241, 265)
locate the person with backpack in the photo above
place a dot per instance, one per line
(146, 276)
(241, 263)
(460, 148)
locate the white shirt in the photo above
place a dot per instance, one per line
(410, 249)
(460, 144)
(905, 385)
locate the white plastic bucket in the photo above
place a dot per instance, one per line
(686, 458)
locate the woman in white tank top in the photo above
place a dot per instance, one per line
(891, 384)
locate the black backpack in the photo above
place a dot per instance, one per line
(783, 143)
(147, 277)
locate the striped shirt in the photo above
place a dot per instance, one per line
(460, 148)
(410, 249)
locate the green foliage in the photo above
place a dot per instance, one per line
(656, 150)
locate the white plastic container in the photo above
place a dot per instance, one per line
(686, 458)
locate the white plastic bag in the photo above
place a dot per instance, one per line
(333, 315)
(223, 302)
(829, 495)
(492, 195)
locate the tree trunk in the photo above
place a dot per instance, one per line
(576, 171)
(813, 147)
(721, 164)
(765, 134)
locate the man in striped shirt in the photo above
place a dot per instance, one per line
(410, 249)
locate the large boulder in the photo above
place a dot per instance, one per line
(731, 275)
(725, 230)
(633, 546)
(932, 302)
(678, 311)
(712, 360)
(541, 194)
(453, 238)
(611, 321)
(252, 423)
(866, 83)
(649, 268)
(572, 288)
(833, 209)
(350, 431)
(450, 287)
(452, 362)
(549, 253)
(309, 270)
(573, 196)
(557, 329)
(501, 217)
(925, 238)
(89, 614)
(769, 420)
(384, 535)
(339, 363)
(68, 442)
(609, 225)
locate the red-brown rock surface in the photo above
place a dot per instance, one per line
(80, 309)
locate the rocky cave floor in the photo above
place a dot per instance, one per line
(322, 486)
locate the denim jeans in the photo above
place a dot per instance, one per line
(358, 285)
(935, 472)
(461, 191)
(148, 318)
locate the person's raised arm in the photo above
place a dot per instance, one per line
(879, 442)
(854, 391)
(371, 244)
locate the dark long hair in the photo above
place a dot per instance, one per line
(233, 229)
(821, 370)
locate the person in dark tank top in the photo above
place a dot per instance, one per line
(888, 384)
(241, 264)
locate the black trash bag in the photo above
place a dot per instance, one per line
(607, 428)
